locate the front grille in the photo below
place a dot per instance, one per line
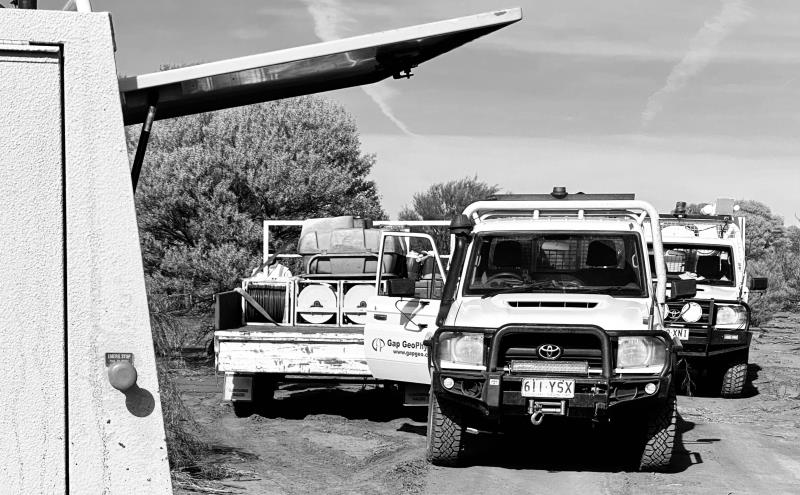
(534, 347)
(673, 317)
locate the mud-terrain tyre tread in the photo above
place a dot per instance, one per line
(446, 432)
(733, 381)
(660, 436)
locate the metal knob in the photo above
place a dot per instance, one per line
(122, 375)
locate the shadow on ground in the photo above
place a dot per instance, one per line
(369, 402)
(750, 390)
(562, 445)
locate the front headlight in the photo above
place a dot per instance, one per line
(461, 350)
(641, 355)
(730, 316)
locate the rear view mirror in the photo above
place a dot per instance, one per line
(400, 287)
(758, 283)
(683, 289)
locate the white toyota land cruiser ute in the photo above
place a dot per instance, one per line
(714, 326)
(548, 308)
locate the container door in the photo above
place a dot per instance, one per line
(32, 315)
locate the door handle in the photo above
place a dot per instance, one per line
(380, 317)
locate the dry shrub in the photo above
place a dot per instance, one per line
(184, 447)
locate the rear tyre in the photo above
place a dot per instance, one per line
(733, 381)
(660, 436)
(446, 432)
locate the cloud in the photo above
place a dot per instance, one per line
(380, 94)
(702, 50)
(248, 33)
(330, 23)
(693, 166)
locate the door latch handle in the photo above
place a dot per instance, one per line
(380, 317)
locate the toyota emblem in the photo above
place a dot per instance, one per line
(674, 313)
(549, 351)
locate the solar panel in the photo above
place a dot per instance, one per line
(303, 70)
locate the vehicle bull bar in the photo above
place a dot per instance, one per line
(492, 394)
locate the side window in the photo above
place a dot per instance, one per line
(412, 257)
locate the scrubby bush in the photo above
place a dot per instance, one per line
(443, 201)
(209, 181)
(773, 252)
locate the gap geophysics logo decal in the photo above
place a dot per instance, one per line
(378, 344)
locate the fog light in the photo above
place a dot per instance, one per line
(650, 388)
(448, 383)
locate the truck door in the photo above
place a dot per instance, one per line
(402, 314)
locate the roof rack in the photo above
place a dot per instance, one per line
(707, 218)
(719, 226)
(630, 209)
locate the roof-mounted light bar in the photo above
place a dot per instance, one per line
(560, 193)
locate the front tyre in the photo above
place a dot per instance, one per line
(446, 432)
(660, 436)
(733, 381)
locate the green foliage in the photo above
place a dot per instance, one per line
(445, 200)
(772, 252)
(209, 180)
(763, 228)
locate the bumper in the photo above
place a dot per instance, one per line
(706, 343)
(497, 392)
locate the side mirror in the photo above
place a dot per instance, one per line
(400, 287)
(683, 289)
(758, 283)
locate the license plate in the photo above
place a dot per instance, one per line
(680, 333)
(549, 388)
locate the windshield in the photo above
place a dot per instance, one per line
(707, 264)
(586, 262)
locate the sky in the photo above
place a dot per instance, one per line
(679, 100)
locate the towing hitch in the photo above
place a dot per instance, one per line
(538, 409)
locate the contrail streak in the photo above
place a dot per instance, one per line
(702, 49)
(330, 22)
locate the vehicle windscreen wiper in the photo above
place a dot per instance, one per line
(540, 284)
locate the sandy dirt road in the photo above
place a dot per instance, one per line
(352, 439)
